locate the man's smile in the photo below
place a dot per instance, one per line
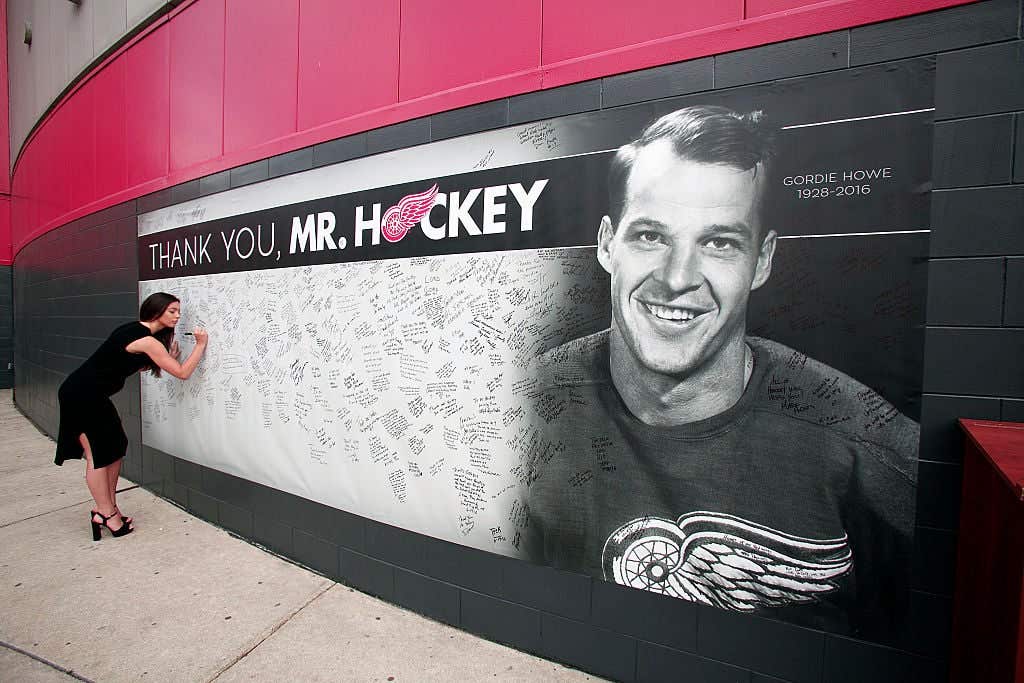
(678, 315)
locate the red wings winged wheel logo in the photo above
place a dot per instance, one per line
(410, 210)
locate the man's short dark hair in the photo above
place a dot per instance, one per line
(704, 134)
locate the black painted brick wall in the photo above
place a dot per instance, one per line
(6, 327)
(71, 285)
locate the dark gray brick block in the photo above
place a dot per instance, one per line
(548, 589)
(155, 200)
(367, 574)
(975, 151)
(435, 599)
(950, 29)
(466, 120)
(291, 162)
(185, 191)
(938, 495)
(235, 519)
(965, 291)
(769, 647)
(314, 552)
(1013, 312)
(342, 149)
(397, 546)
(934, 560)
(188, 473)
(932, 622)
(978, 222)
(268, 531)
(212, 184)
(329, 523)
(1018, 158)
(250, 173)
(941, 437)
(470, 568)
(851, 661)
(227, 488)
(662, 81)
(1012, 410)
(982, 362)
(176, 492)
(799, 57)
(587, 647)
(500, 621)
(562, 101)
(658, 664)
(982, 80)
(398, 136)
(202, 506)
(647, 616)
(930, 670)
(159, 463)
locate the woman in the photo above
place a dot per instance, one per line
(89, 424)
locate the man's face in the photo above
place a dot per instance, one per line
(683, 259)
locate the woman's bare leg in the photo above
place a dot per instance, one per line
(96, 478)
(113, 472)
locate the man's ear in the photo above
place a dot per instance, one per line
(764, 260)
(605, 235)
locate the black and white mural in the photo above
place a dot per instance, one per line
(673, 345)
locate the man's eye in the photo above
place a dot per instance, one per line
(649, 237)
(721, 243)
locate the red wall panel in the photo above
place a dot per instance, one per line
(218, 83)
(452, 43)
(52, 201)
(260, 72)
(109, 126)
(348, 58)
(24, 195)
(197, 84)
(571, 30)
(59, 132)
(5, 230)
(757, 8)
(146, 107)
(19, 222)
(80, 153)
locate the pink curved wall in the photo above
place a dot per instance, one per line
(219, 83)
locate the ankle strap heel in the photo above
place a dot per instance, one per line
(122, 530)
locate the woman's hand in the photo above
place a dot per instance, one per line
(175, 350)
(201, 335)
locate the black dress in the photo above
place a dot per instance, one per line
(84, 403)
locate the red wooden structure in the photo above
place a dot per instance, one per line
(988, 617)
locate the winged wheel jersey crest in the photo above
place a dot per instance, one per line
(724, 561)
(410, 210)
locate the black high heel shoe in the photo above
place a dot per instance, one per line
(123, 530)
(124, 518)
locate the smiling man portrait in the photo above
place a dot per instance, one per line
(690, 459)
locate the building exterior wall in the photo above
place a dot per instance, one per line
(66, 39)
(210, 85)
(74, 281)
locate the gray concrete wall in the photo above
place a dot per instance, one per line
(66, 39)
(73, 284)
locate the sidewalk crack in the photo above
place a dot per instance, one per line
(273, 630)
(45, 661)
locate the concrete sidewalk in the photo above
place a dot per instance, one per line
(181, 600)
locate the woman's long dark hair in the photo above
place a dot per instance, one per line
(151, 309)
